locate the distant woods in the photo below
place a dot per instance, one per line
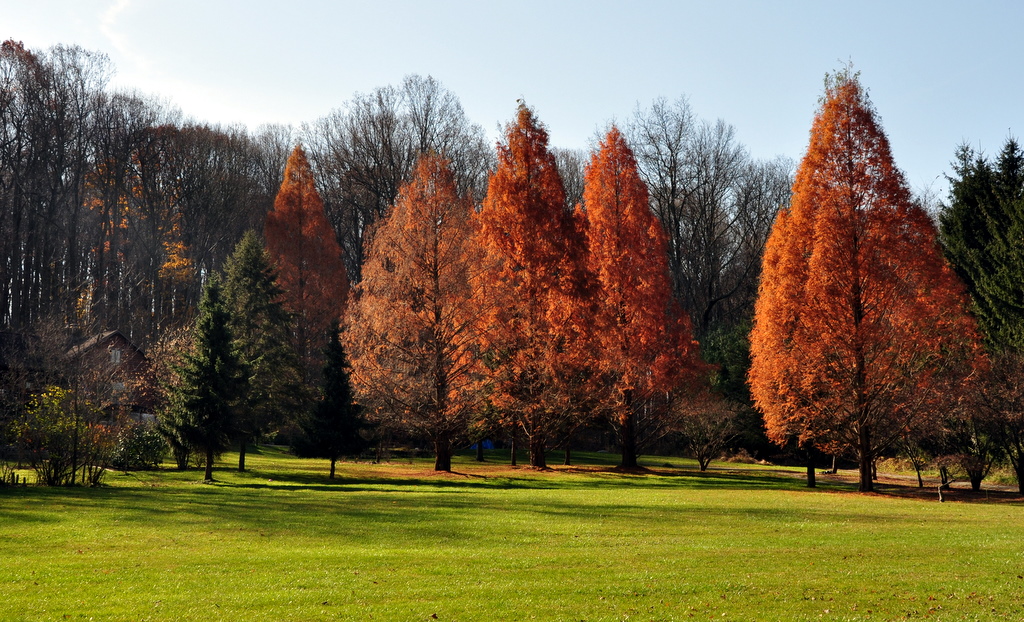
(114, 209)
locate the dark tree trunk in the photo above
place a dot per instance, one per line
(480, 450)
(241, 453)
(333, 462)
(181, 456)
(627, 431)
(538, 451)
(867, 460)
(443, 454)
(976, 475)
(812, 454)
(209, 465)
(513, 452)
(568, 455)
(1018, 468)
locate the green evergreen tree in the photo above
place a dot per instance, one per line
(212, 381)
(980, 232)
(981, 229)
(332, 429)
(262, 330)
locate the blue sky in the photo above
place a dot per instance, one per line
(939, 73)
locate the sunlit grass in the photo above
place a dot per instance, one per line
(398, 542)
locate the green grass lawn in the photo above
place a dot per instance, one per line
(397, 542)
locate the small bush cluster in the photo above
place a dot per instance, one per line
(64, 439)
(139, 447)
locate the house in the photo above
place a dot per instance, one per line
(115, 371)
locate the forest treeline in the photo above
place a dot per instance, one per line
(528, 293)
(116, 209)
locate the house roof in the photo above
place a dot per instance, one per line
(102, 338)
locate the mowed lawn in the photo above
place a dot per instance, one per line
(398, 542)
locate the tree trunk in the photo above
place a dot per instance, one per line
(627, 431)
(74, 446)
(812, 453)
(209, 465)
(480, 450)
(181, 456)
(568, 455)
(867, 460)
(443, 454)
(976, 475)
(835, 468)
(333, 462)
(241, 453)
(513, 452)
(944, 477)
(1018, 468)
(538, 451)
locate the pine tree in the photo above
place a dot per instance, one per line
(262, 331)
(860, 327)
(333, 428)
(212, 381)
(981, 228)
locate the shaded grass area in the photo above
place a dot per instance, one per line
(490, 542)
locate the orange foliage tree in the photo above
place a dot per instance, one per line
(859, 326)
(533, 283)
(412, 332)
(643, 339)
(305, 251)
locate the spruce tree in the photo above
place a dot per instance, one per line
(262, 330)
(332, 429)
(980, 232)
(212, 381)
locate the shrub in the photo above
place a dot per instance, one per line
(62, 438)
(139, 447)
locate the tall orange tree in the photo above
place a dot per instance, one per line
(859, 326)
(412, 331)
(644, 341)
(533, 284)
(308, 259)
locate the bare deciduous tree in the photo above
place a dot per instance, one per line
(716, 203)
(363, 152)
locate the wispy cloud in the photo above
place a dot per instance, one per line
(110, 26)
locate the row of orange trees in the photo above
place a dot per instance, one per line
(529, 314)
(524, 310)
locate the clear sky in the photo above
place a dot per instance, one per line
(939, 72)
